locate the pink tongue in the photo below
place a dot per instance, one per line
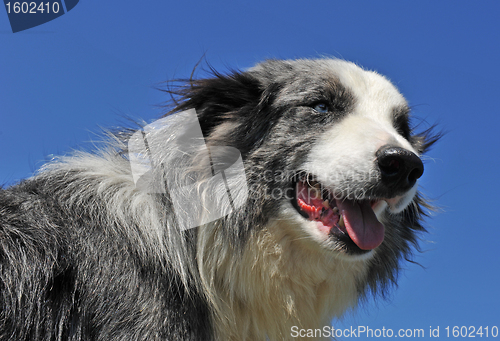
(361, 223)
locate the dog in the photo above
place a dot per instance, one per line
(318, 164)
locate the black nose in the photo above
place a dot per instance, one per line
(399, 167)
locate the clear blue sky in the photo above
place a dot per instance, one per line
(61, 81)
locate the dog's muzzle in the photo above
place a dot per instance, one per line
(399, 168)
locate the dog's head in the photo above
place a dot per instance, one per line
(326, 144)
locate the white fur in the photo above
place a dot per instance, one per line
(282, 287)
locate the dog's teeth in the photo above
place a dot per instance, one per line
(326, 204)
(341, 222)
(336, 210)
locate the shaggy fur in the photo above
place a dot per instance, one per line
(86, 254)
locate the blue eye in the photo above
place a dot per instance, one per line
(322, 108)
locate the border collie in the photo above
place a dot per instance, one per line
(264, 200)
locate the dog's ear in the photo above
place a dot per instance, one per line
(217, 98)
(232, 108)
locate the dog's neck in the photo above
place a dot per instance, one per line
(287, 283)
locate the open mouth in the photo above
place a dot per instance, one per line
(352, 222)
